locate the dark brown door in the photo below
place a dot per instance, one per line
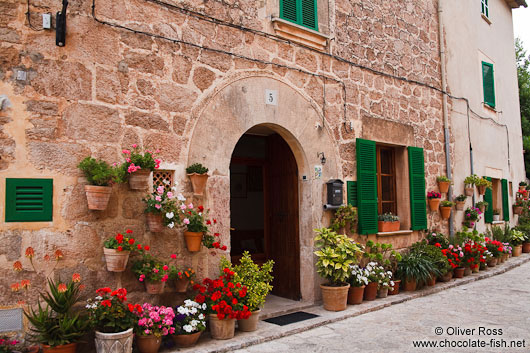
(282, 206)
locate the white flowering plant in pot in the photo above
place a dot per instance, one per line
(165, 201)
(358, 276)
(189, 318)
(384, 278)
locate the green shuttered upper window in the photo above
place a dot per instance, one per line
(485, 9)
(302, 12)
(29, 200)
(488, 84)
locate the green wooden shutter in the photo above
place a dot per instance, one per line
(366, 186)
(505, 202)
(309, 14)
(488, 197)
(288, 10)
(488, 84)
(418, 202)
(29, 200)
(351, 187)
(302, 12)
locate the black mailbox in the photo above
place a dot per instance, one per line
(335, 197)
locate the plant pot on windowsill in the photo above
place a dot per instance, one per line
(496, 218)
(383, 226)
(98, 196)
(139, 180)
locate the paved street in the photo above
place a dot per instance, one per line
(498, 303)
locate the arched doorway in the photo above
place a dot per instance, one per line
(264, 206)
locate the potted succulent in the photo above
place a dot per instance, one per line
(183, 276)
(388, 222)
(469, 184)
(153, 322)
(518, 207)
(198, 175)
(523, 185)
(414, 269)
(138, 165)
(516, 239)
(223, 302)
(189, 323)
(257, 279)
(496, 215)
(162, 209)
(443, 183)
(113, 320)
(445, 208)
(482, 206)
(482, 184)
(434, 200)
(460, 202)
(117, 250)
(153, 272)
(358, 281)
(336, 252)
(56, 326)
(100, 176)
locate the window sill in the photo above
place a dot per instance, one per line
(300, 34)
(485, 18)
(398, 232)
(497, 222)
(489, 107)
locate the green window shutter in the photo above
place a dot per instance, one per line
(351, 187)
(302, 12)
(309, 14)
(488, 197)
(505, 202)
(488, 84)
(418, 202)
(366, 186)
(288, 10)
(29, 200)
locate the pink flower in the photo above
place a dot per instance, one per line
(126, 152)
(157, 151)
(183, 207)
(160, 189)
(158, 198)
(158, 207)
(155, 270)
(190, 206)
(165, 268)
(134, 146)
(141, 279)
(164, 279)
(186, 221)
(170, 194)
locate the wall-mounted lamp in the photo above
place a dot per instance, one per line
(60, 27)
(322, 157)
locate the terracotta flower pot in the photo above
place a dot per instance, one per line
(459, 272)
(335, 298)
(467, 271)
(481, 189)
(120, 342)
(517, 210)
(155, 222)
(431, 281)
(98, 196)
(250, 324)
(475, 269)
(198, 183)
(469, 190)
(355, 295)
(116, 260)
(482, 208)
(460, 205)
(155, 287)
(434, 204)
(388, 226)
(447, 277)
(517, 250)
(395, 290)
(184, 341)
(492, 262)
(446, 212)
(64, 348)
(370, 292)
(193, 240)
(139, 180)
(526, 248)
(182, 285)
(505, 257)
(148, 344)
(382, 293)
(409, 285)
(222, 329)
(443, 186)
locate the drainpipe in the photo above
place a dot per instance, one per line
(447, 136)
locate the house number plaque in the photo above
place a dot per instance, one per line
(271, 97)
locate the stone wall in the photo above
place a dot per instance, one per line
(110, 87)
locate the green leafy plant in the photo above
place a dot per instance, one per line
(345, 214)
(382, 254)
(136, 159)
(432, 253)
(523, 183)
(483, 182)
(388, 217)
(414, 267)
(335, 255)
(471, 180)
(196, 168)
(437, 238)
(446, 203)
(516, 237)
(443, 178)
(497, 233)
(465, 235)
(256, 278)
(482, 204)
(100, 173)
(461, 197)
(496, 211)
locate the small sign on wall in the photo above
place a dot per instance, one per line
(318, 172)
(271, 97)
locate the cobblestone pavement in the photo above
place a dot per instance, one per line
(499, 303)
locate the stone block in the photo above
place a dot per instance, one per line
(146, 121)
(62, 157)
(150, 64)
(203, 78)
(70, 80)
(175, 98)
(111, 86)
(42, 107)
(43, 129)
(169, 145)
(93, 123)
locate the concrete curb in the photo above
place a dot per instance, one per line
(268, 332)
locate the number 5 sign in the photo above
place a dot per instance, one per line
(271, 97)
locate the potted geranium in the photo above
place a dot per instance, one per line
(518, 207)
(483, 184)
(443, 183)
(153, 322)
(523, 185)
(387, 222)
(183, 276)
(117, 250)
(471, 216)
(335, 255)
(223, 301)
(113, 320)
(56, 326)
(153, 272)
(460, 202)
(495, 248)
(139, 165)
(198, 175)
(197, 228)
(100, 176)
(434, 200)
(8, 345)
(469, 184)
(358, 281)
(189, 323)
(162, 209)
(482, 206)
(257, 279)
(445, 208)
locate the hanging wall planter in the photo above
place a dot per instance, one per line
(155, 287)
(139, 180)
(469, 190)
(116, 260)
(198, 175)
(98, 196)
(155, 222)
(193, 240)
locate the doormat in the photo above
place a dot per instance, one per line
(291, 318)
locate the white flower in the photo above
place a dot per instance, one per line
(204, 306)
(171, 225)
(194, 323)
(99, 297)
(201, 317)
(181, 198)
(193, 310)
(187, 328)
(166, 182)
(169, 215)
(182, 310)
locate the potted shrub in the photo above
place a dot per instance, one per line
(388, 222)
(153, 272)
(496, 215)
(117, 250)
(482, 184)
(153, 322)
(113, 320)
(434, 200)
(445, 208)
(518, 207)
(523, 185)
(435, 255)
(516, 239)
(257, 279)
(198, 175)
(358, 281)
(345, 215)
(183, 276)
(469, 184)
(335, 255)
(443, 183)
(100, 176)
(460, 202)
(222, 297)
(56, 326)
(162, 209)
(414, 269)
(189, 323)
(138, 165)
(482, 206)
